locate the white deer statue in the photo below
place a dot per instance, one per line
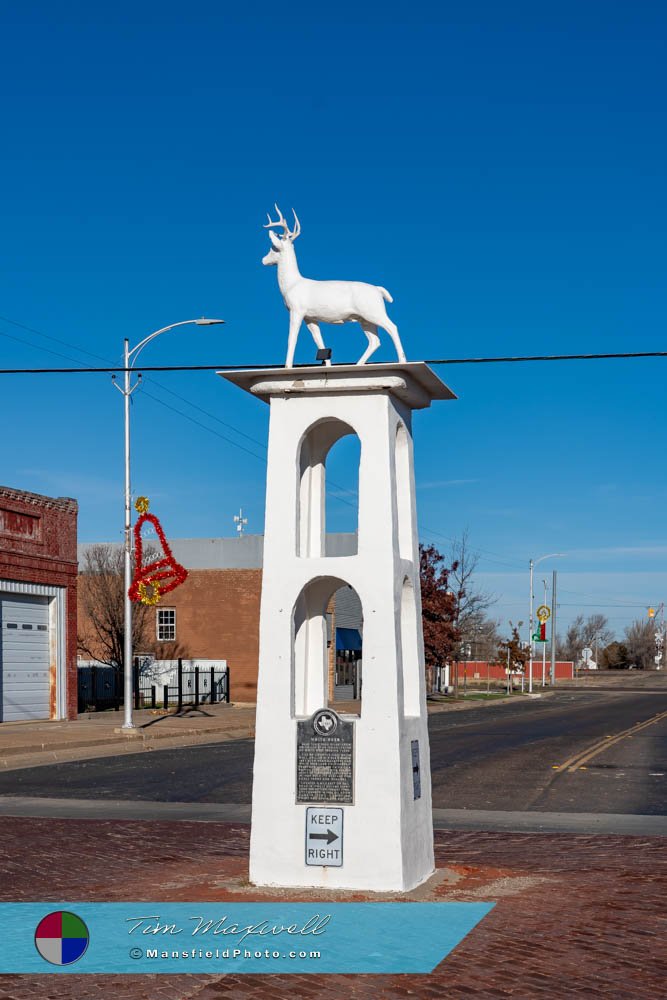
(326, 301)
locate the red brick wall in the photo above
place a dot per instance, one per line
(496, 672)
(217, 616)
(38, 545)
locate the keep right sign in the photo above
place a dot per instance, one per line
(324, 837)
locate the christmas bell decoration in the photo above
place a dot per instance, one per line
(162, 575)
(543, 616)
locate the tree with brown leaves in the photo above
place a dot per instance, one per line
(442, 636)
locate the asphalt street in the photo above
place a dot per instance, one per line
(515, 758)
(577, 752)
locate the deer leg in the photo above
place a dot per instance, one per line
(371, 331)
(392, 330)
(294, 325)
(317, 337)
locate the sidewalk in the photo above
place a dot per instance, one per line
(99, 734)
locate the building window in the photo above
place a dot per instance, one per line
(166, 624)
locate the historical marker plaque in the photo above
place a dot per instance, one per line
(325, 759)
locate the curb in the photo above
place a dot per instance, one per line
(130, 736)
(18, 761)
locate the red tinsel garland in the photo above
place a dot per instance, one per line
(163, 575)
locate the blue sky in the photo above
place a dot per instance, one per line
(499, 168)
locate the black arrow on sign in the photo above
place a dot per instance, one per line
(329, 836)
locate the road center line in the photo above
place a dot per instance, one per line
(588, 753)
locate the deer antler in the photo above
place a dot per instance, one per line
(281, 222)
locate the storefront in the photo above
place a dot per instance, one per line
(38, 575)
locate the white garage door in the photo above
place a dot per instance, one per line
(24, 657)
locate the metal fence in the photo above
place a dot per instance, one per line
(198, 686)
(101, 687)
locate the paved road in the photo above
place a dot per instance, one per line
(506, 757)
(511, 758)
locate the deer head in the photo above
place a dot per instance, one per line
(280, 243)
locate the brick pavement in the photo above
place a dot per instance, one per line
(576, 916)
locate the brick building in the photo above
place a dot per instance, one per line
(38, 585)
(215, 613)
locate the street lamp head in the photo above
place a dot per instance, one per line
(208, 322)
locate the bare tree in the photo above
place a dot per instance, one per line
(592, 631)
(640, 643)
(471, 603)
(102, 607)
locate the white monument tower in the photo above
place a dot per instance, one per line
(340, 800)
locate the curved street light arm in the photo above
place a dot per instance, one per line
(552, 555)
(134, 353)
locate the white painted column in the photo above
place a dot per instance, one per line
(387, 831)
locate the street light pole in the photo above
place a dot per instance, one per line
(530, 632)
(127, 638)
(129, 359)
(544, 644)
(553, 628)
(551, 555)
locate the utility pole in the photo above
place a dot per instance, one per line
(553, 629)
(530, 633)
(508, 669)
(551, 555)
(450, 593)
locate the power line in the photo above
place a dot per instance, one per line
(80, 369)
(186, 416)
(227, 367)
(207, 413)
(183, 399)
(546, 357)
(353, 502)
(47, 336)
(615, 603)
(564, 604)
(351, 493)
(482, 552)
(46, 350)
